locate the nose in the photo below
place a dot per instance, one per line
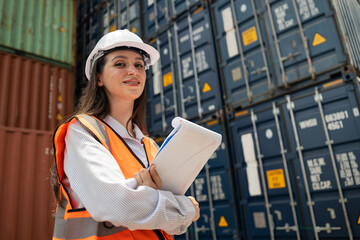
(131, 70)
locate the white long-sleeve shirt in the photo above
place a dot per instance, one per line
(96, 182)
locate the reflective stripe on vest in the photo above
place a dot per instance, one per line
(73, 223)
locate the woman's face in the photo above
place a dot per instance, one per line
(123, 75)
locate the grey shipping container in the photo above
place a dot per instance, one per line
(269, 48)
(297, 162)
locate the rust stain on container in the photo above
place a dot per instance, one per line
(27, 202)
(30, 92)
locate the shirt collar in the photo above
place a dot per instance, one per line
(121, 130)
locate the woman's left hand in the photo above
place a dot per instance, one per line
(148, 178)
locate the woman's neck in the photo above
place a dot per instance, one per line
(122, 112)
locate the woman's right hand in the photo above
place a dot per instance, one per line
(196, 205)
(148, 178)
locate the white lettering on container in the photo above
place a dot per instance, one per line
(315, 169)
(199, 186)
(334, 120)
(197, 33)
(280, 13)
(349, 168)
(307, 8)
(184, 38)
(308, 123)
(216, 188)
(201, 62)
(186, 67)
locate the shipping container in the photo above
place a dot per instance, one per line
(297, 163)
(41, 28)
(27, 203)
(155, 16)
(214, 189)
(185, 81)
(179, 7)
(271, 47)
(198, 82)
(105, 16)
(34, 94)
(161, 87)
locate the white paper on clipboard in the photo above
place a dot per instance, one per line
(183, 154)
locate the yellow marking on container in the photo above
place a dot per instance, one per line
(62, 29)
(152, 41)
(276, 178)
(112, 28)
(332, 83)
(59, 117)
(223, 222)
(198, 10)
(134, 30)
(358, 222)
(318, 39)
(241, 113)
(249, 36)
(63, 19)
(167, 79)
(112, 16)
(206, 88)
(59, 98)
(212, 122)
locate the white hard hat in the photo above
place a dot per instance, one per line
(120, 38)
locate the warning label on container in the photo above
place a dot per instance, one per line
(167, 79)
(318, 39)
(358, 221)
(223, 222)
(276, 178)
(206, 88)
(249, 36)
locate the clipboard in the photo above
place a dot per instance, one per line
(183, 154)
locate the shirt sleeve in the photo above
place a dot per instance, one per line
(101, 187)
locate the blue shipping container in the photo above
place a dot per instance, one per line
(298, 164)
(162, 104)
(155, 16)
(269, 46)
(197, 74)
(213, 189)
(177, 85)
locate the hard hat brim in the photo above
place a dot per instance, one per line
(94, 55)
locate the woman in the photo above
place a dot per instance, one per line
(103, 188)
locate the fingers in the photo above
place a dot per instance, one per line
(155, 177)
(197, 209)
(146, 178)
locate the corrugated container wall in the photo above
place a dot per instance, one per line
(39, 27)
(185, 81)
(34, 94)
(269, 48)
(297, 164)
(26, 202)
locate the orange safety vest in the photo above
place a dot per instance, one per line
(73, 223)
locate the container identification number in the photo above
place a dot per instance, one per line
(334, 120)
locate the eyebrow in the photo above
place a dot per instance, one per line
(124, 57)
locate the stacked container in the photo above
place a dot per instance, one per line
(289, 71)
(185, 82)
(36, 89)
(95, 19)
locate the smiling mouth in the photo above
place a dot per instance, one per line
(132, 82)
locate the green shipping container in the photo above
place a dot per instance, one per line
(44, 28)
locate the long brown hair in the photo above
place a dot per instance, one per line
(95, 102)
